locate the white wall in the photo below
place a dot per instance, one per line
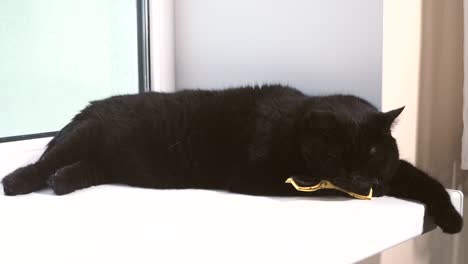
(319, 46)
(401, 69)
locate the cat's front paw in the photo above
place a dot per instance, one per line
(448, 219)
(21, 181)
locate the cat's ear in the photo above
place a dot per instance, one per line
(388, 118)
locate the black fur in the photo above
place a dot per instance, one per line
(246, 140)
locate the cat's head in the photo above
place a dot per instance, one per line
(350, 145)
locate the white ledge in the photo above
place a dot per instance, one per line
(119, 224)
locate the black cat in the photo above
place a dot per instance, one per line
(245, 140)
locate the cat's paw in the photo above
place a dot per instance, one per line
(448, 219)
(22, 181)
(60, 183)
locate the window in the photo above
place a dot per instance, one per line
(58, 55)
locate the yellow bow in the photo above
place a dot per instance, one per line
(327, 185)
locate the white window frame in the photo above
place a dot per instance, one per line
(162, 45)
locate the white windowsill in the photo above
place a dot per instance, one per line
(188, 212)
(19, 153)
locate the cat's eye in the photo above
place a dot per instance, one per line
(372, 150)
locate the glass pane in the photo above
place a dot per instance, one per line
(57, 55)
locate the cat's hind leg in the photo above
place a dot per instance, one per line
(79, 175)
(74, 142)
